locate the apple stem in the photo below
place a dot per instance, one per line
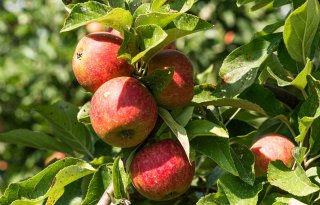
(107, 195)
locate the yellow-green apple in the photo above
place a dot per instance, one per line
(161, 170)
(95, 60)
(269, 148)
(95, 27)
(179, 92)
(123, 112)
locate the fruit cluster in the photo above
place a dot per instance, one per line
(123, 111)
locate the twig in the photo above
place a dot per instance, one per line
(106, 197)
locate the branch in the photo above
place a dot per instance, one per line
(106, 196)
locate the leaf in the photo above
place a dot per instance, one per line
(244, 162)
(264, 98)
(92, 11)
(151, 36)
(62, 117)
(239, 69)
(314, 141)
(156, 4)
(243, 2)
(33, 139)
(273, 27)
(49, 183)
(156, 18)
(204, 139)
(120, 179)
(205, 94)
(300, 28)
(295, 181)
(158, 79)
(183, 25)
(83, 115)
(214, 199)
(260, 4)
(177, 130)
(286, 60)
(181, 5)
(198, 128)
(300, 81)
(310, 109)
(279, 3)
(98, 184)
(238, 192)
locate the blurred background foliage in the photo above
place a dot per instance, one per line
(35, 63)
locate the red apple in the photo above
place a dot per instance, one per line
(95, 60)
(179, 91)
(269, 148)
(123, 112)
(161, 171)
(115, 32)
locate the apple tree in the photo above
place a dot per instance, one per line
(155, 131)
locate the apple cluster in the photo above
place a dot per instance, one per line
(123, 111)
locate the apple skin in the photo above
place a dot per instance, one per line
(269, 148)
(179, 92)
(161, 171)
(95, 27)
(123, 112)
(95, 60)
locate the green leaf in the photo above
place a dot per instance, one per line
(286, 60)
(151, 36)
(287, 200)
(98, 184)
(205, 94)
(129, 46)
(239, 192)
(216, 148)
(198, 128)
(244, 162)
(179, 131)
(314, 141)
(264, 98)
(243, 2)
(295, 181)
(310, 109)
(158, 80)
(239, 69)
(300, 81)
(156, 4)
(279, 3)
(62, 117)
(300, 28)
(214, 199)
(260, 4)
(182, 5)
(156, 18)
(49, 183)
(273, 27)
(83, 115)
(120, 179)
(37, 140)
(92, 11)
(181, 26)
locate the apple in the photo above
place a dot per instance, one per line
(95, 60)
(179, 92)
(161, 170)
(123, 112)
(115, 32)
(95, 27)
(269, 148)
